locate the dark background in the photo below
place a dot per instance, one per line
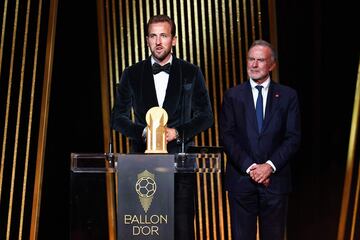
(318, 56)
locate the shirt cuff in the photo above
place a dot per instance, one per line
(144, 133)
(248, 170)
(272, 165)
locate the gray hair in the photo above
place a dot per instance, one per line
(264, 43)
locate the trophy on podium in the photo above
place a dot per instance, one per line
(156, 119)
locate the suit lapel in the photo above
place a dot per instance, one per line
(271, 104)
(250, 107)
(148, 86)
(174, 87)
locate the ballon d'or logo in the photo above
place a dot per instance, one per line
(156, 119)
(145, 188)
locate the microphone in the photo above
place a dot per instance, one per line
(182, 142)
(182, 117)
(111, 150)
(110, 154)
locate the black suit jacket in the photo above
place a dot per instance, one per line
(244, 145)
(187, 102)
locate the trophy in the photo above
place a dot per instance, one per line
(156, 119)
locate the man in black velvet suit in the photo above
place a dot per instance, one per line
(260, 131)
(178, 87)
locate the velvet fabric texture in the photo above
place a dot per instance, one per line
(187, 102)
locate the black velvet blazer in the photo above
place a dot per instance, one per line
(187, 102)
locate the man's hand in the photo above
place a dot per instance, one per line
(266, 182)
(170, 134)
(260, 173)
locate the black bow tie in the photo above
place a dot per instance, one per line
(156, 68)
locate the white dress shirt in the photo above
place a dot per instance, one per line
(255, 94)
(264, 92)
(161, 81)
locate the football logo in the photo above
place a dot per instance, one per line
(145, 188)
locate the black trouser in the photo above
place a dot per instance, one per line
(184, 206)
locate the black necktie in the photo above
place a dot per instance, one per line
(156, 68)
(259, 108)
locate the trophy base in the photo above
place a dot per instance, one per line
(155, 151)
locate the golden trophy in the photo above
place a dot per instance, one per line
(156, 119)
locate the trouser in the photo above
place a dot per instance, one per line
(269, 208)
(184, 206)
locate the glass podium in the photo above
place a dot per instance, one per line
(129, 196)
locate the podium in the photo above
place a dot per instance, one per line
(138, 202)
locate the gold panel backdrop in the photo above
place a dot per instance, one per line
(349, 224)
(214, 35)
(26, 51)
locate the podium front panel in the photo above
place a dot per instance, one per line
(102, 208)
(145, 196)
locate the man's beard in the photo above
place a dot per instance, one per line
(162, 56)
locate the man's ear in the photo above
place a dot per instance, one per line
(147, 41)
(272, 67)
(174, 40)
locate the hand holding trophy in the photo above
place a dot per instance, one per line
(156, 119)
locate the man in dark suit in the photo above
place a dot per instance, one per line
(260, 131)
(178, 87)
